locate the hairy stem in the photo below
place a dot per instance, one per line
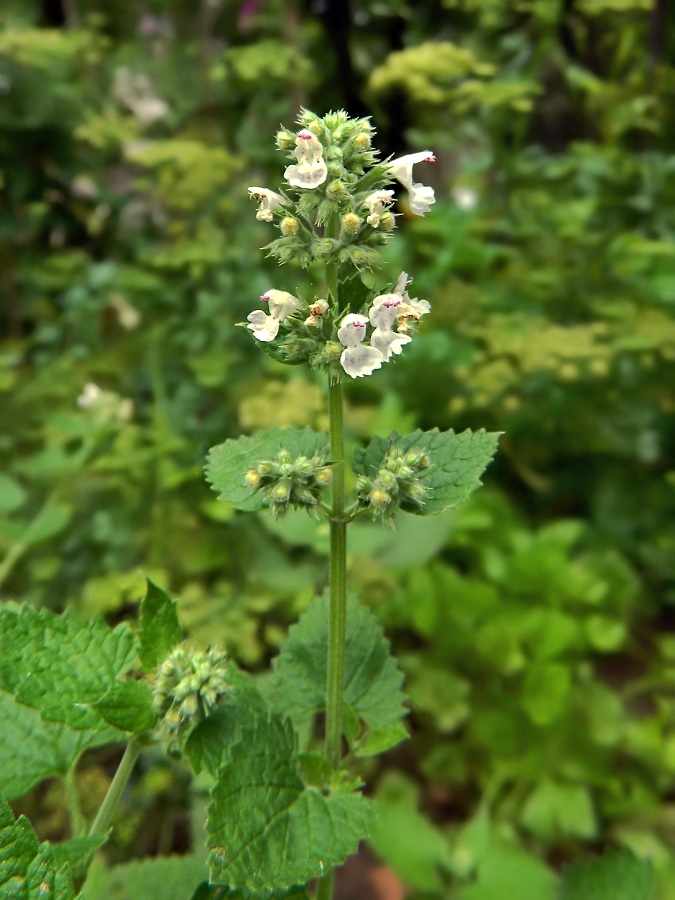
(105, 814)
(337, 580)
(77, 820)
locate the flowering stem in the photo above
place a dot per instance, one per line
(104, 816)
(337, 579)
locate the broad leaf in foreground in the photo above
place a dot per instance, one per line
(372, 686)
(615, 876)
(267, 829)
(32, 749)
(228, 463)
(61, 665)
(160, 878)
(160, 629)
(28, 869)
(456, 462)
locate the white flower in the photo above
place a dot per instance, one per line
(412, 308)
(383, 314)
(376, 204)
(266, 327)
(90, 396)
(420, 195)
(268, 200)
(357, 359)
(311, 170)
(466, 198)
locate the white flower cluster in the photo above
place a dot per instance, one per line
(266, 326)
(359, 358)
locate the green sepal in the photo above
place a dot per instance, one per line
(456, 462)
(228, 463)
(128, 707)
(160, 630)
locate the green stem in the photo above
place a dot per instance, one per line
(105, 814)
(337, 577)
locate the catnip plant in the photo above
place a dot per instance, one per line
(282, 753)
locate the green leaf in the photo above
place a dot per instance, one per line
(616, 876)
(160, 629)
(227, 463)
(128, 706)
(372, 682)
(508, 871)
(50, 520)
(160, 878)
(32, 749)
(61, 665)
(267, 829)
(555, 808)
(28, 869)
(12, 495)
(456, 462)
(546, 692)
(77, 851)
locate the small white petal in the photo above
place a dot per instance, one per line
(307, 175)
(360, 360)
(385, 310)
(401, 168)
(268, 200)
(389, 342)
(264, 327)
(308, 148)
(376, 204)
(420, 198)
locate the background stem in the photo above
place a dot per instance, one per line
(104, 816)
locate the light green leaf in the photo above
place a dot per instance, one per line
(32, 749)
(456, 462)
(267, 829)
(12, 495)
(555, 808)
(160, 629)
(227, 463)
(128, 706)
(51, 520)
(28, 869)
(508, 871)
(61, 665)
(372, 682)
(546, 692)
(159, 878)
(77, 851)
(616, 876)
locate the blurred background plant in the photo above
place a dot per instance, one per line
(538, 633)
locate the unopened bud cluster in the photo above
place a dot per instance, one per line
(398, 483)
(187, 688)
(285, 481)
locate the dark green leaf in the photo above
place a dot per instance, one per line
(227, 463)
(456, 462)
(615, 876)
(128, 706)
(160, 629)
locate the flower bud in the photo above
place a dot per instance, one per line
(387, 479)
(316, 127)
(416, 491)
(363, 484)
(351, 223)
(285, 140)
(379, 499)
(281, 492)
(337, 188)
(253, 479)
(335, 169)
(362, 141)
(323, 476)
(387, 221)
(284, 456)
(289, 226)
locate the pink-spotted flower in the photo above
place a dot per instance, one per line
(268, 202)
(383, 313)
(357, 359)
(311, 169)
(410, 308)
(420, 195)
(265, 327)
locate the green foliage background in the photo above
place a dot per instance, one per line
(535, 626)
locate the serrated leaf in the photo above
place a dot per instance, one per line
(159, 878)
(268, 830)
(615, 876)
(456, 462)
(372, 685)
(77, 851)
(128, 706)
(61, 665)
(160, 629)
(28, 870)
(32, 749)
(227, 463)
